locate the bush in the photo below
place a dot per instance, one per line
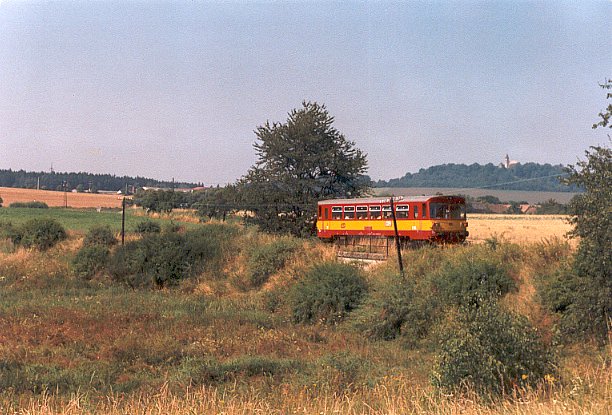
(90, 260)
(148, 226)
(265, 260)
(471, 277)
(158, 259)
(579, 304)
(327, 293)
(490, 351)
(100, 235)
(164, 259)
(397, 308)
(31, 205)
(39, 233)
(410, 307)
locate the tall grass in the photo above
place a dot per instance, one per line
(73, 346)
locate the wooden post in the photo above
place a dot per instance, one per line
(397, 241)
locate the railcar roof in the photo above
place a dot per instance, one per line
(382, 199)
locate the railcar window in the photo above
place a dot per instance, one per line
(375, 212)
(401, 212)
(336, 212)
(423, 210)
(349, 212)
(416, 211)
(446, 211)
(387, 212)
(362, 212)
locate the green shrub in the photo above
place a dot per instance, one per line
(582, 308)
(164, 259)
(209, 245)
(490, 351)
(158, 259)
(31, 205)
(148, 226)
(327, 293)
(265, 260)
(128, 265)
(100, 235)
(7, 230)
(90, 260)
(397, 308)
(472, 276)
(40, 233)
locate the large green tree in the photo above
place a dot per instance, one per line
(298, 163)
(583, 296)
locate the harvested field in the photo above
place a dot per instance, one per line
(517, 228)
(54, 199)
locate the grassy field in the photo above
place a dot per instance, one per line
(215, 345)
(56, 199)
(81, 220)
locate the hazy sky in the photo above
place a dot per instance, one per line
(176, 89)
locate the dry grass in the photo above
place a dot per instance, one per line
(396, 395)
(517, 228)
(56, 199)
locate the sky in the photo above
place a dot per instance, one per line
(175, 89)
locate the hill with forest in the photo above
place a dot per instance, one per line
(81, 181)
(528, 176)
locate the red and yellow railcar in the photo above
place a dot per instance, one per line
(440, 219)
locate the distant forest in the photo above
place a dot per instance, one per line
(528, 176)
(80, 181)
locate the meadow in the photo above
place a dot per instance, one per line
(226, 341)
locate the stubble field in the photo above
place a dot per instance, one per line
(56, 199)
(518, 228)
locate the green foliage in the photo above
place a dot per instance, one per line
(29, 205)
(607, 113)
(397, 308)
(29, 180)
(551, 207)
(327, 293)
(490, 351)
(100, 235)
(164, 259)
(90, 260)
(160, 200)
(265, 260)
(148, 226)
(518, 177)
(591, 212)
(471, 278)
(410, 307)
(40, 233)
(299, 162)
(216, 202)
(489, 199)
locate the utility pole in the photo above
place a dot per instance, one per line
(123, 221)
(397, 241)
(65, 187)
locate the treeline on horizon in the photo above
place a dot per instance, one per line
(81, 181)
(526, 177)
